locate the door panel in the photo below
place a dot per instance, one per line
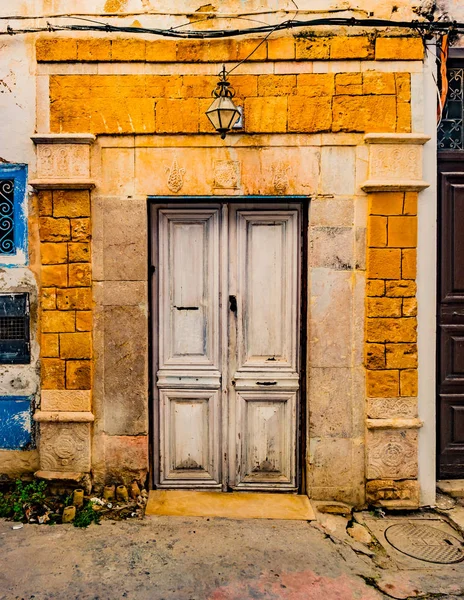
(189, 437)
(451, 318)
(266, 421)
(227, 386)
(189, 288)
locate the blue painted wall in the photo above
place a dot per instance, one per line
(15, 422)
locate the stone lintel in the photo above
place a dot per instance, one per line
(63, 138)
(396, 138)
(63, 417)
(61, 184)
(394, 423)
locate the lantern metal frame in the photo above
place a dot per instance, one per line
(223, 103)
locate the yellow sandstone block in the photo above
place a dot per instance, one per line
(192, 51)
(281, 49)
(49, 346)
(350, 47)
(94, 50)
(244, 85)
(276, 85)
(221, 51)
(53, 254)
(316, 48)
(48, 298)
(401, 356)
(400, 289)
(177, 116)
(382, 384)
(364, 113)
(45, 203)
(375, 287)
(349, 84)
(79, 252)
(128, 50)
(410, 203)
(403, 87)
(409, 264)
(375, 356)
(403, 122)
(56, 50)
(198, 86)
(399, 48)
(408, 382)
(71, 203)
(80, 275)
(161, 51)
(81, 230)
(75, 345)
(379, 83)
(246, 47)
(309, 114)
(56, 321)
(409, 307)
(382, 330)
(377, 231)
(52, 374)
(74, 299)
(54, 230)
(386, 203)
(266, 115)
(78, 375)
(383, 263)
(384, 307)
(402, 232)
(315, 84)
(54, 275)
(84, 320)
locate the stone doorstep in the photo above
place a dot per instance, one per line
(453, 487)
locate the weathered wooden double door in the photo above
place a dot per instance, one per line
(226, 330)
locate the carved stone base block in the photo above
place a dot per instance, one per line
(65, 447)
(393, 494)
(392, 454)
(392, 408)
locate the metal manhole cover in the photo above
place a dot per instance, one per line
(425, 543)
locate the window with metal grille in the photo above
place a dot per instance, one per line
(14, 329)
(450, 134)
(13, 214)
(7, 245)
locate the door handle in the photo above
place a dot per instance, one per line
(266, 383)
(233, 304)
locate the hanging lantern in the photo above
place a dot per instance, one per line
(223, 113)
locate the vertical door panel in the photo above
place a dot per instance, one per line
(267, 267)
(189, 288)
(263, 362)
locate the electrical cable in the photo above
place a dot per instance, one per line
(427, 27)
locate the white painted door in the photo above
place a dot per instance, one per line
(226, 333)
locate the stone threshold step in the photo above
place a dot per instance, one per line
(453, 487)
(234, 505)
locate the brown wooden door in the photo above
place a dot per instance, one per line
(450, 410)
